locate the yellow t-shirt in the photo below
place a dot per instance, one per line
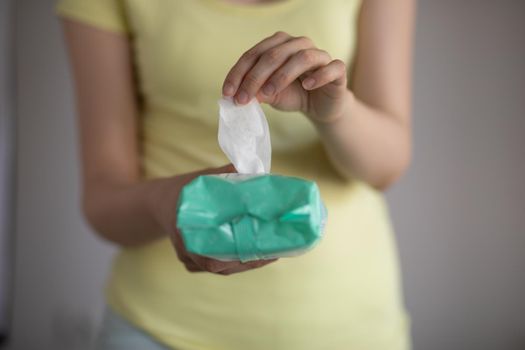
(344, 294)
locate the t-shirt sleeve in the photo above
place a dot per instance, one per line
(104, 14)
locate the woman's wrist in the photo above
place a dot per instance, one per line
(161, 198)
(335, 134)
(335, 121)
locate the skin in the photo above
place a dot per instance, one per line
(364, 123)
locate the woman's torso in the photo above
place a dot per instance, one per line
(342, 295)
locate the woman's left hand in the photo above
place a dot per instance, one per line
(290, 74)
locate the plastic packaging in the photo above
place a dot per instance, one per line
(245, 218)
(251, 215)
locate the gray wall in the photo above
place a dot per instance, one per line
(60, 265)
(459, 212)
(7, 176)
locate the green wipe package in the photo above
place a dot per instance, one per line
(239, 217)
(252, 214)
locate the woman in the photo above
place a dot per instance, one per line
(334, 78)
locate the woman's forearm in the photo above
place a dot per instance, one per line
(367, 143)
(137, 212)
(127, 214)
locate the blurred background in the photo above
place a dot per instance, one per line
(459, 213)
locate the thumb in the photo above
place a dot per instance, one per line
(228, 168)
(188, 177)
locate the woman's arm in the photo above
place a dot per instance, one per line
(371, 139)
(365, 129)
(114, 202)
(120, 206)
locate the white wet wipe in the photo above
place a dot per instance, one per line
(244, 136)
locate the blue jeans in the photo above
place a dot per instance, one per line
(116, 333)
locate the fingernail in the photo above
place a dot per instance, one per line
(228, 89)
(268, 89)
(242, 97)
(308, 83)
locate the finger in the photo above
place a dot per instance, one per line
(246, 266)
(268, 63)
(180, 248)
(213, 265)
(188, 263)
(248, 59)
(297, 65)
(334, 72)
(194, 263)
(229, 168)
(192, 267)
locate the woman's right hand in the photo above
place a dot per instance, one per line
(164, 210)
(117, 203)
